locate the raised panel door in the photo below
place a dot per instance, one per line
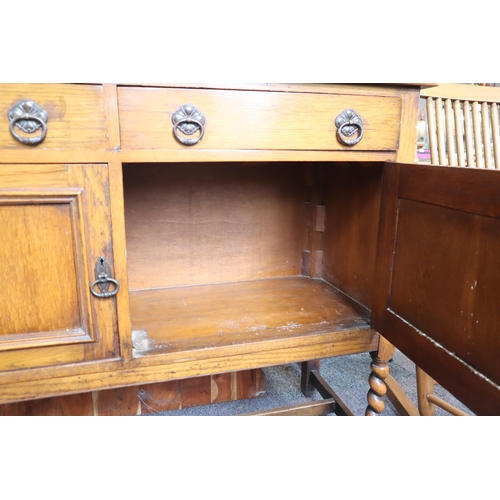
(55, 226)
(437, 277)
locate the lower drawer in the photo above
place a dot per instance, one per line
(255, 120)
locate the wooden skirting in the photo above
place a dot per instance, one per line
(144, 399)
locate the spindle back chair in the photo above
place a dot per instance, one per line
(463, 125)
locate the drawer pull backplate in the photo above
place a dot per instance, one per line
(348, 123)
(188, 120)
(28, 117)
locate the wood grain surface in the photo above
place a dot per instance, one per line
(255, 120)
(184, 318)
(80, 405)
(148, 398)
(392, 90)
(57, 219)
(198, 225)
(41, 242)
(210, 240)
(352, 201)
(76, 116)
(463, 91)
(437, 277)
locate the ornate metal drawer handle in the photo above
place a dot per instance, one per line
(188, 120)
(102, 272)
(348, 123)
(29, 117)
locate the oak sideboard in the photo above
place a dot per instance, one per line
(161, 232)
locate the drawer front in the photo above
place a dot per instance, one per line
(75, 116)
(254, 120)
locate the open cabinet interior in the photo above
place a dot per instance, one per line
(232, 253)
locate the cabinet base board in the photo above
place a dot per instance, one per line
(147, 399)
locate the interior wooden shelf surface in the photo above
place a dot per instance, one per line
(195, 317)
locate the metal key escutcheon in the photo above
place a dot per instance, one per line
(103, 280)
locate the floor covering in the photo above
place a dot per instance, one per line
(347, 375)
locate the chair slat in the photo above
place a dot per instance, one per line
(440, 132)
(459, 131)
(476, 122)
(495, 133)
(450, 141)
(468, 135)
(485, 115)
(431, 123)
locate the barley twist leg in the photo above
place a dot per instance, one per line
(380, 371)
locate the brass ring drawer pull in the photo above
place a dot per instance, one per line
(348, 123)
(28, 117)
(188, 120)
(102, 272)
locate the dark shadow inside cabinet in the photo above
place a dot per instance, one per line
(235, 253)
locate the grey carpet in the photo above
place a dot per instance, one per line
(347, 375)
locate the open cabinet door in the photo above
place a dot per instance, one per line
(437, 279)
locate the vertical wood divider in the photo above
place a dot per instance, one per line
(118, 220)
(315, 225)
(407, 150)
(119, 242)
(112, 117)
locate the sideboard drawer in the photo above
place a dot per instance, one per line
(256, 120)
(74, 116)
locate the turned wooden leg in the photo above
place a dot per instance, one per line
(378, 389)
(305, 382)
(380, 370)
(425, 385)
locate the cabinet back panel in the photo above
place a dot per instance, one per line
(352, 204)
(190, 224)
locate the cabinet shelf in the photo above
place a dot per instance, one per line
(211, 316)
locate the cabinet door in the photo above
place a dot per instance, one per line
(437, 292)
(55, 226)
